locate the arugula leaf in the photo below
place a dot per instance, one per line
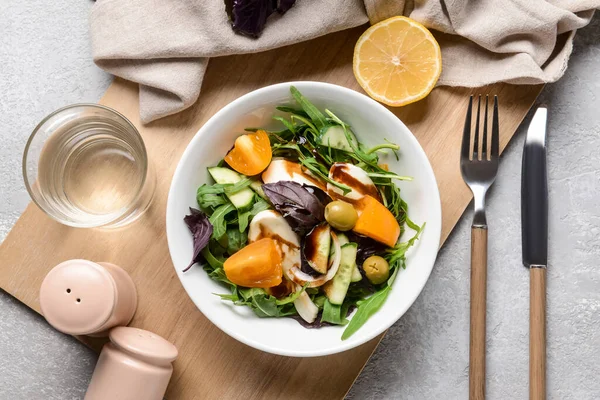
(236, 240)
(392, 146)
(283, 149)
(211, 200)
(291, 127)
(394, 201)
(212, 196)
(292, 297)
(234, 296)
(243, 220)
(291, 110)
(217, 274)
(392, 278)
(313, 112)
(366, 308)
(231, 297)
(398, 252)
(319, 300)
(211, 260)
(312, 129)
(210, 189)
(370, 159)
(209, 197)
(315, 167)
(274, 136)
(263, 304)
(217, 219)
(414, 226)
(359, 290)
(236, 187)
(248, 293)
(389, 175)
(245, 217)
(227, 188)
(333, 314)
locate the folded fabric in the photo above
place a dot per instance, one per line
(165, 45)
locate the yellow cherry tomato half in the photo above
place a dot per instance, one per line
(377, 222)
(251, 153)
(256, 265)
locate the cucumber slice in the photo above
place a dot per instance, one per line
(257, 187)
(336, 289)
(334, 137)
(343, 239)
(241, 200)
(316, 247)
(356, 275)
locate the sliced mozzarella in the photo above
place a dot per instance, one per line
(271, 224)
(355, 178)
(284, 170)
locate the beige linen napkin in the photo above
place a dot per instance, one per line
(165, 45)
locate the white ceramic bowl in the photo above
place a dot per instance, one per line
(372, 123)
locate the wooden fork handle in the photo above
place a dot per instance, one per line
(479, 236)
(537, 334)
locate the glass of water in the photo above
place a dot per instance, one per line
(86, 166)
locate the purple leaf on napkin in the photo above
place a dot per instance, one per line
(284, 5)
(201, 229)
(249, 17)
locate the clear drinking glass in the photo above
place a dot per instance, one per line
(86, 166)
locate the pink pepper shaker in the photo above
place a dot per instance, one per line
(81, 297)
(135, 365)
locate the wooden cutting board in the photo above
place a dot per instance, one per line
(211, 365)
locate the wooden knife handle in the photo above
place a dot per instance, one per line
(537, 334)
(479, 236)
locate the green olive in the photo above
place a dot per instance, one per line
(341, 215)
(376, 269)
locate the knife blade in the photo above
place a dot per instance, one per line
(534, 193)
(534, 226)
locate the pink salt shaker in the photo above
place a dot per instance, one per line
(81, 297)
(135, 365)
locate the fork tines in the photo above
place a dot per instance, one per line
(481, 152)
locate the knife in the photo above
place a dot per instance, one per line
(534, 236)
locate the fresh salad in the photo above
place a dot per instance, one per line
(303, 222)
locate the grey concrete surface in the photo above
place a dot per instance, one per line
(45, 63)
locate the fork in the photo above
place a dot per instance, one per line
(479, 169)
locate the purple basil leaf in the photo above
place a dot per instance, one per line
(201, 229)
(284, 5)
(299, 204)
(319, 194)
(249, 17)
